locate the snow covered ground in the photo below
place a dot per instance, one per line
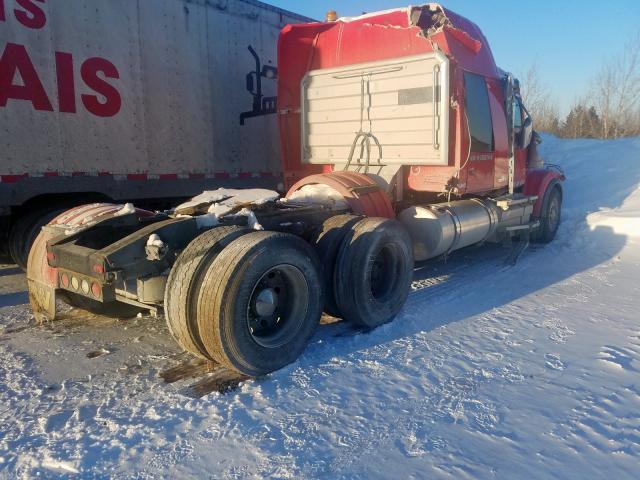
(490, 371)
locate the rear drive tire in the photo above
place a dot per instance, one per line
(260, 302)
(373, 272)
(25, 231)
(327, 241)
(549, 217)
(185, 280)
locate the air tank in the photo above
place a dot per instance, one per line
(441, 228)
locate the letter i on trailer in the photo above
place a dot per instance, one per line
(401, 141)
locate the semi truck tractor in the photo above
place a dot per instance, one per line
(146, 102)
(401, 141)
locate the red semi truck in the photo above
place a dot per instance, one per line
(401, 141)
(145, 102)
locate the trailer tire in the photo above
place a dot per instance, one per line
(25, 231)
(549, 216)
(260, 302)
(185, 280)
(110, 309)
(373, 272)
(326, 241)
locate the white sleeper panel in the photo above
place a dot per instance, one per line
(403, 103)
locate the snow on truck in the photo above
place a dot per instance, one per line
(401, 141)
(145, 102)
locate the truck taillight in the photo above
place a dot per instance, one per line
(64, 279)
(98, 268)
(96, 290)
(51, 257)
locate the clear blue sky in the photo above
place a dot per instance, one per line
(568, 39)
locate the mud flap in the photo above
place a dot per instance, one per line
(42, 298)
(518, 248)
(42, 280)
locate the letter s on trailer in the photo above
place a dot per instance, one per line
(381, 118)
(132, 101)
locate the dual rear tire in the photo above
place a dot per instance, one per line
(373, 272)
(251, 301)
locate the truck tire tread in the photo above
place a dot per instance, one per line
(185, 279)
(354, 271)
(226, 292)
(326, 241)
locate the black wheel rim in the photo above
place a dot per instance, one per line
(277, 306)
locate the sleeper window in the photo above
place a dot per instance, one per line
(478, 113)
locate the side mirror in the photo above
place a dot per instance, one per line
(527, 132)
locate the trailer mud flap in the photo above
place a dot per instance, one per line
(42, 279)
(42, 298)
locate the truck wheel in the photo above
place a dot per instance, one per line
(111, 309)
(327, 241)
(373, 272)
(549, 217)
(183, 285)
(260, 302)
(25, 231)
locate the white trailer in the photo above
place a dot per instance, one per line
(147, 101)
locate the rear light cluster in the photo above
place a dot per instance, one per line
(80, 285)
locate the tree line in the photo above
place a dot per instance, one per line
(609, 109)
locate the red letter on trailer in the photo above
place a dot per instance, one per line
(66, 85)
(15, 59)
(33, 16)
(89, 72)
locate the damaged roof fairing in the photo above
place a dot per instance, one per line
(458, 37)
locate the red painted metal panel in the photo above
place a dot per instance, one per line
(538, 181)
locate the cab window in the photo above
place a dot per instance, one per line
(478, 113)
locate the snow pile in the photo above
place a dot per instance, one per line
(318, 193)
(154, 240)
(155, 248)
(230, 197)
(252, 221)
(127, 209)
(606, 173)
(207, 221)
(223, 202)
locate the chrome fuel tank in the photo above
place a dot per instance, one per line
(444, 227)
